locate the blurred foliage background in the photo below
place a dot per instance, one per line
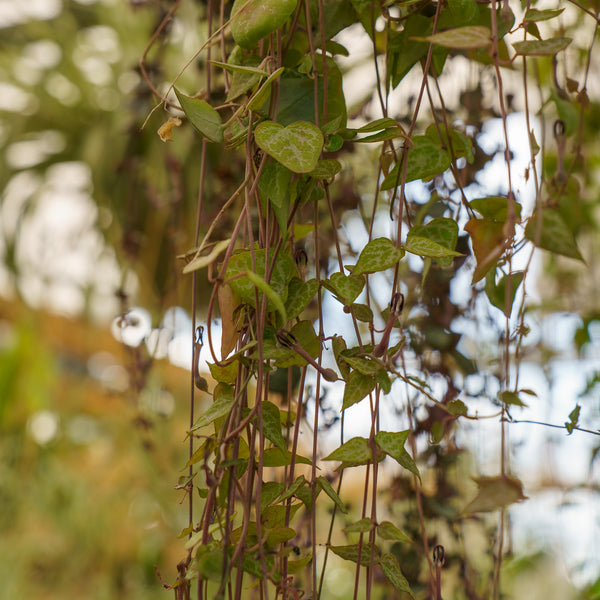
(94, 212)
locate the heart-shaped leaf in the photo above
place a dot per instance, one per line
(487, 238)
(555, 234)
(378, 255)
(357, 387)
(252, 20)
(436, 240)
(296, 146)
(300, 293)
(346, 287)
(202, 116)
(425, 160)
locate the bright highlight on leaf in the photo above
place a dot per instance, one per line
(252, 20)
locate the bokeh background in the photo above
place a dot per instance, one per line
(94, 211)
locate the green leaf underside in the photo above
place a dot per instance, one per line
(357, 387)
(356, 552)
(296, 146)
(392, 443)
(252, 20)
(425, 160)
(534, 15)
(388, 531)
(274, 457)
(461, 38)
(555, 235)
(495, 493)
(366, 366)
(203, 261)
(457, 408)
(205, 119)
(219, 408)
(378, 255)
(542, 47)
(326, 169)
(391, 569)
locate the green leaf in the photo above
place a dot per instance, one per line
(405, 51)
(542, 47)
(202, 116)
(392, 443)
(354, 551)
(496, 292)
(300, 294)
(224, 401)
(441, 231)
(280, 535)
(210, 565)
(296, 146)
(355, 451)
(326, 487)
(252, 20)
(425, 160)
(495, 208)
(224, 372)
(347, 288)
(555, 235)
(487, 239)
(378, 255)
(326, 169)
(291, 491)
(391, 569)
(511, 398)
(271, 294)
(360, 526)
(271, 421)
(422, 246)
(274, 184)
(269, 492)
(362, 312)
(241, 262)
(534, 15)
(495, 493)
(275, 516)
(295, 566)
(388, 531)
(357, 387)
(457, 408)
(383, 379)
(274, 457)
(362, 364)
(199, 262)
(461, 38)
(262, 93)
(573, 419)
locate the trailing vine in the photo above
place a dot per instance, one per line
(269, 509)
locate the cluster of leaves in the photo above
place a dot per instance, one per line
(280, 104)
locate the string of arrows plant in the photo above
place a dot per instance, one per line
(269, 511)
